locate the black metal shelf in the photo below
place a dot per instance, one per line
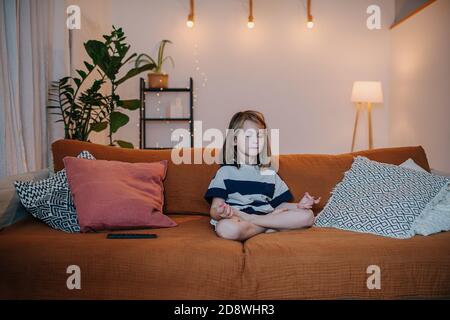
(167, 119)
(167, 90)
(143, 119)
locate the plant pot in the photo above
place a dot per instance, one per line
(158, 80)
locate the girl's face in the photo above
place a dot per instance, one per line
(250, 139)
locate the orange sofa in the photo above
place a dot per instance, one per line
(191, 262)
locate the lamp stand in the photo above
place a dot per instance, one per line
(358, 108)
(369, 113)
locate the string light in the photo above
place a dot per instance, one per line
(251, 20)
(190, 19)
(198, 69)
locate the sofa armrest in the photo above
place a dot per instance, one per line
(11, 210)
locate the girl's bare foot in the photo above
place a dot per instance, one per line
(242, 215)
(308, 201)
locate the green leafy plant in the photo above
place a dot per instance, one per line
(78, 110)
(146, 59)
(90, 110)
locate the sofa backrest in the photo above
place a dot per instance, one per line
(185, 184)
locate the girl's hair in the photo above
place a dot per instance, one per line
(229, 150)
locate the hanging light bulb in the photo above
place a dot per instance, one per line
(190, 19)
(310, 23)
(251, 22)
(190, 23)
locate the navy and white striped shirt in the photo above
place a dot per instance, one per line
(249, 188)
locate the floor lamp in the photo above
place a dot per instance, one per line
(365, 93)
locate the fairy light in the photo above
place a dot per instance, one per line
(251, 20)
(198, 69)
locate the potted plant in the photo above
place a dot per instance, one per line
(94, 109)
(156, 78)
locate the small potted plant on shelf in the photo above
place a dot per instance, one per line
(156, 78)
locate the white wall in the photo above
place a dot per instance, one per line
(420, 88)
(300, 79)
(95, 22)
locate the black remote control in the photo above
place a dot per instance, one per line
(131, 236)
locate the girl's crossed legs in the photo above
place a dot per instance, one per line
(287, 216)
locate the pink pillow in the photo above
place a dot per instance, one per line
(117, 195)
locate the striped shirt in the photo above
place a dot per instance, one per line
(249, 188)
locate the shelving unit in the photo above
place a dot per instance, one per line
(143, 114)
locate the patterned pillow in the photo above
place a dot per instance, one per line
(50, 200)
(379, 198)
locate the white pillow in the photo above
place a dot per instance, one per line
(436, 215)
(410, 164)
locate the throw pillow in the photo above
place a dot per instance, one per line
(436, 215)
(117, 195)
(50, 201)
(11, 210)
(410, 164)
(379, 198)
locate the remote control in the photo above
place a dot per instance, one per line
(131, 236)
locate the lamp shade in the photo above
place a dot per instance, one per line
(367, 91)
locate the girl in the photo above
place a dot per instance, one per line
(247, 197)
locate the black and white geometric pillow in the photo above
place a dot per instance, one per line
(50, 200)
(379, 198)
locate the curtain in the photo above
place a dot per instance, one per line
(33, 52)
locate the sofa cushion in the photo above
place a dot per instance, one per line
(186, 262)
(50, 199)
(117, 195)
(323, 263)
(184, 186)
(379, 198)
(317, 174)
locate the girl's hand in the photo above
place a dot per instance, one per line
(308, 201)
(225, 211)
